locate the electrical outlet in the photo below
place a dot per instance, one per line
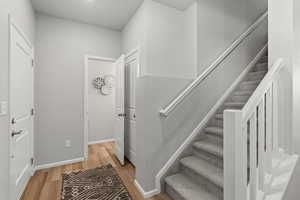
(68, 143)
(3, 108)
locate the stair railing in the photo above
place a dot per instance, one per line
(191, 87)
(251, 139)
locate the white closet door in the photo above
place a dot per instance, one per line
(120, 108)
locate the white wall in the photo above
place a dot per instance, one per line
(61, 46)
(101, 108)
(220, 23)
(167, 38)
(133, 33)
(23, 15)
(288, 44)
(165, 41)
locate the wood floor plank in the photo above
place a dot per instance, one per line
(46, 184)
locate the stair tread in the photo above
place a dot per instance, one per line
(205, 169)
(242, 93)
(251, 82)
(219, 116)
(234, 103)
(214, 129)
(210, 147)
(257, 73)
(188, 189)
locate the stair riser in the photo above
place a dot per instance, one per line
(216, 122)
(263, 59)
(248, 86)
(173, 194)
(211, 158)
(203, 182)
(239, 98)
(260, 67)
(255, 77)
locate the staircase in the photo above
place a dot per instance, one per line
(200, 175)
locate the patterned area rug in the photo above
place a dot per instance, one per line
(102, 183)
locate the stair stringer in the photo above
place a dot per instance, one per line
(172, 165)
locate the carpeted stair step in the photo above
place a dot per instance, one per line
(217, 131)
(204, 169)
(263, 66)
(256, 75)
(219, 116)
(186, 189)
(209, 146)
(234, 105)
(249, 85)
(263, 59)
(243, 92)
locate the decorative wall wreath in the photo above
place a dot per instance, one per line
(104, 84)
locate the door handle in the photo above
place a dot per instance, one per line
(14, 133)
(122, 115)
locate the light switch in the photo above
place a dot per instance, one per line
(3, 108)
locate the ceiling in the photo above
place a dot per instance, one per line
(112, 14)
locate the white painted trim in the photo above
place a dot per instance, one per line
(56, 164)
(85, 98)
(203, 123)
(101, 141)
(130, 53)
(135, 54)
(168, 109)
(142, 191)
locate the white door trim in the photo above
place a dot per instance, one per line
(12, 24)
(85, 98)
(136, 54)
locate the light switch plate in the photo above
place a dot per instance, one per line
(3, 108)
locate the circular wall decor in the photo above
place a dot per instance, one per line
(105, 84)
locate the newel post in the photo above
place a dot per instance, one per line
(235, 156)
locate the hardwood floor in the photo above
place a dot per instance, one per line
(46, 184)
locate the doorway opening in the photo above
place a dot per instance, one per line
(109, 104)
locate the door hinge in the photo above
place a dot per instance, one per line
(32, 62)
(32, 161)
(32, 112)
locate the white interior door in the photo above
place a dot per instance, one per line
(132, 69)
(120, 108)
(21, 113)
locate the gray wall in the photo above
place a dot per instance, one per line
(23, 15)
(158, 138)
(61, 46)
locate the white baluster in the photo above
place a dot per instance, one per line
(235, 156)
(269, 130)
(261, 143)
(253, 157)
(275, 117)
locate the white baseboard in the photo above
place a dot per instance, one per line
(101, 141)
(142, 191)
(56, 164)
(203, 123)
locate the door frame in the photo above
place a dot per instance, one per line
(13, 24)
(85, 98)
